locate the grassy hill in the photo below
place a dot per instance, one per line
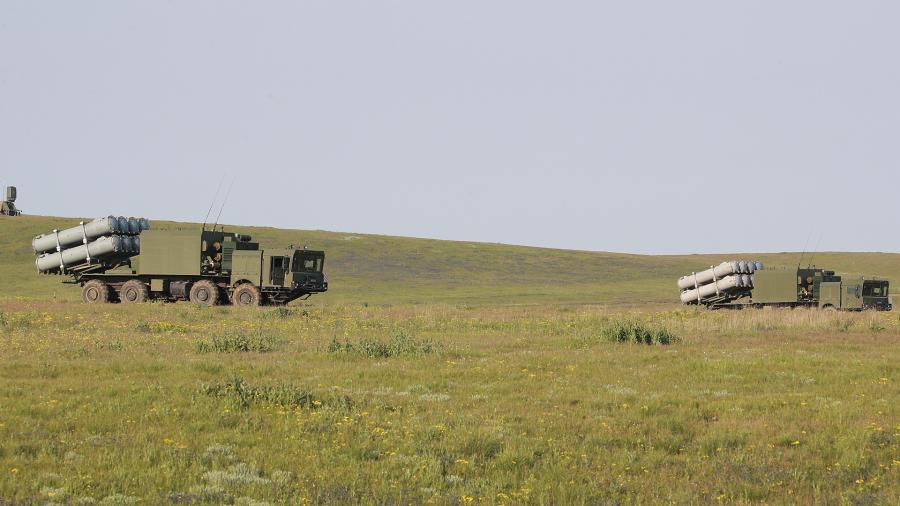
(377, 269)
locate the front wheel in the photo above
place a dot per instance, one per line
(246, 295)
(205, 293)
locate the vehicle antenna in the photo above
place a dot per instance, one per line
(213, 203)
(808, 237)
(815, 249)
(224, 201)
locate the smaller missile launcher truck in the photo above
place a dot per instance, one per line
(122, 260)
(8, 206)
(738, 284)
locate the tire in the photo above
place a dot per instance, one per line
(134, 292)
(95, 292)
(829, 308)
(205, 293)
(246, 295)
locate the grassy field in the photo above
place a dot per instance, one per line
(446, 373)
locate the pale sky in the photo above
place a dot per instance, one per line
(638, 126)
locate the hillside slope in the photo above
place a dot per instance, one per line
(378, 269)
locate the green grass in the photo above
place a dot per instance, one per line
(446, 373)
(529, 405)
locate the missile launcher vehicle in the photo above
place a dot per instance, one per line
(8, 205)
(123, 260)
(737, 285)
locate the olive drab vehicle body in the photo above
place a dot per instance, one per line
(820, 288)
(206, 267)
(799, 287)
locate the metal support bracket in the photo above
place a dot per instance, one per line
(84, 240)
(62, 263)
(696, 286)
(716, 281)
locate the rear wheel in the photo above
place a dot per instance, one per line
(134, 292)
(95, 292)
(246, 295)
(205, 292)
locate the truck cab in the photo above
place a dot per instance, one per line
(861, 293)
(280, 275)
(288, 272)
(876, 294)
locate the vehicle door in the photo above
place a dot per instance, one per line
(852, 296)
(277, 269)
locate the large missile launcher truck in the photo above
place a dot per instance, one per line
(125, 263)
(737, 284)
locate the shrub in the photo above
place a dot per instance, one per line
(281, 312)
(399, 345)
(237, 475)
(22, 320)
(161, 327)
(631, 330)
(876, 326)
(239, 343)
(843, 324)
(284, 312)
(243, 395)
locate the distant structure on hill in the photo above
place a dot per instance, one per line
(8, 207)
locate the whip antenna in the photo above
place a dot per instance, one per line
(213, 203)
(815, 250)
(808, 237)
(224, 201)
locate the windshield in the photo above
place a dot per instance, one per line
(875, 289)
(308, 262)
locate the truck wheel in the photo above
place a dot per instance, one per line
(829, 308)
(134, 292)
(246, 295)
(95, 292)
(205, 292)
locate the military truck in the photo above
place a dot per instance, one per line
(811, 287)
(206, 267)
(733, 288)
(8, 206)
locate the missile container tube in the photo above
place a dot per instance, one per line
(86, 232)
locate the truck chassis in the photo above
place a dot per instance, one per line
(207, 290)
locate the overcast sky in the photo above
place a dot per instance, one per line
(638, 126)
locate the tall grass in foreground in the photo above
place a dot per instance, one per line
(399, 345)
(242, 394)
(633, 330)
(447, 405)
(237, 343)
